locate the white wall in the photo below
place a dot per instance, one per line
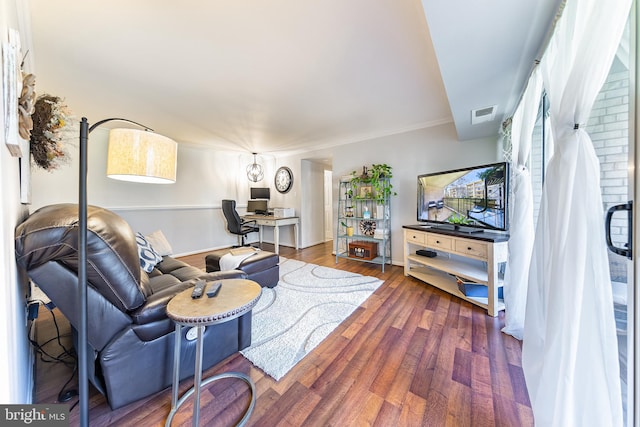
(189, 213)
(16, 355)
(312, 207)
(410, 154)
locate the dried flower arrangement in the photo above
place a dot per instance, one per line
(51, 124)
(26, 105)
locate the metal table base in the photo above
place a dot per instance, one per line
(198, 383)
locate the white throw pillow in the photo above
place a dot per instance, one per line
(160, 243)
(148, 257)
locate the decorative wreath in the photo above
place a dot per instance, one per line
(51, 120)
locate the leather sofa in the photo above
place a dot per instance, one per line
(130, 337)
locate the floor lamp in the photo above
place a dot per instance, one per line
(133, 155)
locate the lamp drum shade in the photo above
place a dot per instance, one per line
(141, 156)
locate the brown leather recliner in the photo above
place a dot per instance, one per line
(130, 337)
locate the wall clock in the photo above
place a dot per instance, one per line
(283, 179)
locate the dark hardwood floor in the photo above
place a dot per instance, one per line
(411, 355)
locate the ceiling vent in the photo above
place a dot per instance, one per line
(481, 115)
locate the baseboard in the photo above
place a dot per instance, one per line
(31, 380)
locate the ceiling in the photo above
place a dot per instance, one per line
(287, 76)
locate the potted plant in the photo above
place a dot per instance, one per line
(348, 229)
(378, 177)
(355, 180)
(382, 187)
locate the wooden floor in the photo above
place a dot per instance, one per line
(411, 355)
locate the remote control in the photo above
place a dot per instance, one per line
(214, 290)
(199, 289)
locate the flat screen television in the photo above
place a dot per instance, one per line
(471, 199)
(260, 193)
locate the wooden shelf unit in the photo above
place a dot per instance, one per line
(473, 256)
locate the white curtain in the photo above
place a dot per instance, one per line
(569, 354)
(520, 209)
(623, 49)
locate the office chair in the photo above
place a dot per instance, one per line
(235, 224)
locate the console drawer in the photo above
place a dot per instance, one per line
(414, 237)
(475, 249)
(439, 242)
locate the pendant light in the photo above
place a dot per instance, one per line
(255, 172)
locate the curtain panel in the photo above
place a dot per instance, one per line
(569, 354)
(521, 231)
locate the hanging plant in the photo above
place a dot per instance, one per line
(379, 177)
(49, 136)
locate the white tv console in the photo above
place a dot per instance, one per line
(472, 256)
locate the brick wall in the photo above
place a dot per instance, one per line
(608, 127)
(609, 130)
(535, 167)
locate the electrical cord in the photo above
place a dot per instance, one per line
(67, 395)
(66, 351)
(64, 395)
(63, 356)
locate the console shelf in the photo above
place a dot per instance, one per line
(474, 257)
(472, 271)
(445, 282)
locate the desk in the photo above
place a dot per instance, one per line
(275, 222)
(235, 298)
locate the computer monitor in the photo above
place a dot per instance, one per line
(257, 206)
(260, 193)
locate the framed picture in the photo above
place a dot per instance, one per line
(11, 86)
(366, 192)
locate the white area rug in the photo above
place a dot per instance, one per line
(309, 302)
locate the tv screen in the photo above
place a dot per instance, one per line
(260, 193)
(469, 199)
